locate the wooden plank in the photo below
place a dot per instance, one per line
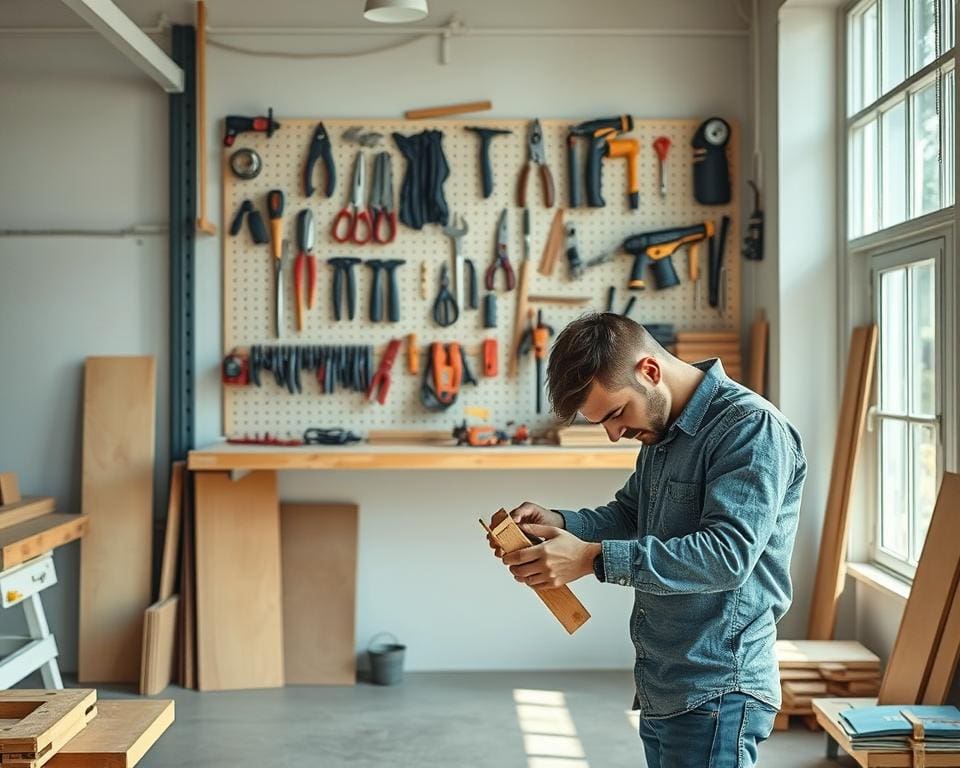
(707, 337)
(813, 654)
(757, 372)
(319, 558)
(239, 588)
(829, 581)
(188, 596)
(562, 603)
(119, 737)
(171, 540)
(945, 659)
(9, 488)
(787, 675)
(927, 609)
(25, 509)
(159, 643)
(119, 414)
(38, 722)
(20, 542)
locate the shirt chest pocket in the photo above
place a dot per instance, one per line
(680, 510)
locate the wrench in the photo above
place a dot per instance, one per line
(455, 230)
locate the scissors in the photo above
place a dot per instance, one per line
(381, 200)
(445, 309)
(501, 261)
(359, 228)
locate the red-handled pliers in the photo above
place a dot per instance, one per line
(359, 227)
(501, 260)
(380, 383)
(305, 262)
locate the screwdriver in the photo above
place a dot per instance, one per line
(275, 212)
(305, 266)
(661, 146)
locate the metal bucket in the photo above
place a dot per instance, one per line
(386, 660)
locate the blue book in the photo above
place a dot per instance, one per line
(873, 723)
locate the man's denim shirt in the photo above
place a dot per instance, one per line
(703, 532)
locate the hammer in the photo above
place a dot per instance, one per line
(486, 134)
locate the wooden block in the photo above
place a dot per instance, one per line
(816, 653)
(781, 722)
(928, 607)
(787, 675)
(9, 488)
(159, 643)
(119, 414)
(757, 373)
(23, 541)
(120, 735)
(560, 600)
(239, 588)
(25, 509)
(831, 563)
(319, 560)
(171, 539)
(707, 337)
(37, 723)
(805, 687)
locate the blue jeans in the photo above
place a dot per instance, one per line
(722, 733)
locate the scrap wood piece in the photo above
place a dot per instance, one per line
(556, 238)
(119, 737)
(9, 488)
(562, 603)
(41, 722)
(159, 644)
(447, 110)
(792, 654)
(757, 373)
(26, 540)
(171, 540)
(25, 509)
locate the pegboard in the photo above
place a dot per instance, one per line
(248, 297)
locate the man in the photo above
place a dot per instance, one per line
(702, 532)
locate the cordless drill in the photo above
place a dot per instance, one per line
(600, 133)
(658, 247)
(234, 124)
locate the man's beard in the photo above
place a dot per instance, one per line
(657, 413)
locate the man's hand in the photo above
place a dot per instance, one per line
(528, 512)
(559, 559)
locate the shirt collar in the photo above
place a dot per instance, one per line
(691, 417)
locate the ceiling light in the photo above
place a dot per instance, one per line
(395, 11)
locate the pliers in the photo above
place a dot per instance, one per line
(535, 154)
(380, 383)
(381, 200)
(501, 260)
(320, 147)
(305, 262)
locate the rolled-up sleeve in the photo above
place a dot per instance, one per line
(750, 470)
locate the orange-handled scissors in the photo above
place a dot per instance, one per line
(353, 223)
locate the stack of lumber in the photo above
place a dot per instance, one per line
(812, 669)
(583, 436)
(70, 729)
(694, 346)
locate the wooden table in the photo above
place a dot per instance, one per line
(239, 586)
(828, 715)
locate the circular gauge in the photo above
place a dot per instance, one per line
(245, 163)
(716, 132)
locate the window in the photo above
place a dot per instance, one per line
(900, 116)
(905, 422)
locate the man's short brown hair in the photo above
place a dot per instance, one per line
(600, 346)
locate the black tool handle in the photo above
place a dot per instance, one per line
(486, 168)
(351, 293)
(376, 291)
(245, 207)
(574, 176)
(473, 300)
(490, 310)
(258, 230)
(595, 155)
(664, 274)
(337, 291)
(716, 261)
(637, 282)
(393, 294)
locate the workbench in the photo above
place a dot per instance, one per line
(239, 588)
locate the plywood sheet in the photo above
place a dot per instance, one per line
(120, 735)
(947, 655)
(119, 407)
(171, 539)
(26, 540)
(188, 595)
(159, 644)
(319, 554)
(928, 606)
(239, 590)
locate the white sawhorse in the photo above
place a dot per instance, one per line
(21, 656)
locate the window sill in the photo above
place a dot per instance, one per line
(879, 579)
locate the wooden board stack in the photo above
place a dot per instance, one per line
(583, 436)
(694, 346)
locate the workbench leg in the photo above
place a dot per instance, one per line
(37, 625)
(833, 748)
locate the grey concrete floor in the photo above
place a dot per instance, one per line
(431, 720)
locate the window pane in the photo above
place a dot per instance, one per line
(863, 58)
(924, 35)
(893, 341)
(923, 340)
(947, 32)
(949, 119)
(894, 517)
(863, 180)
(926, 151)
(892, 37)
(870, 55)
(893, 129)
(924, 483)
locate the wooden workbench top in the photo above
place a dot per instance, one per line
(227, 456)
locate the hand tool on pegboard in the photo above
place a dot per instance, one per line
(491, 354)
(352, 224)
(329, 436)
(473, 295)
(320, 149)
(305, 267)
(486, 135)
(455, 229)
(523, 290)
(343, 277)
(537, 339)
(711, 171)
(657, 248)
(501, 258)
(536, 155)
(376, 289)
(246, 164)
(442, 376)
(413, 354)
(490, 310)
(393, 288)
(381, 200)
(598, 132)
(422, 199)
(237, 124)
(753, 242)
(553, 245)
(235, 369)
(661, 145)
(356, 134)
(255, 225)
(574, 262)
(716, 267)
(629, 149)
(380, 383)
(445, 307)
(279, 246)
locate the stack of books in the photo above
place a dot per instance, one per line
(887, 729)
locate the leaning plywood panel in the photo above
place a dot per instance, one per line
(944, 665)
(928, 607)
(159, 644)
(319, 553)
(171, 539)
(238, 587)
(119, 406)
(119, 737)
